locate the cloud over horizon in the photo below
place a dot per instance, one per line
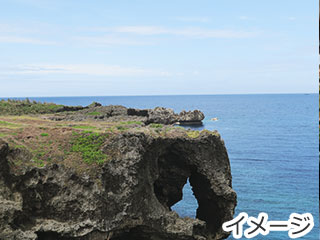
(156, 47)
(192, 32)
(85, 69)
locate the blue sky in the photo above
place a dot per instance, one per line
(143, 47)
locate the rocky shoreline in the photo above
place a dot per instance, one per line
(160, 115)
(131, 192)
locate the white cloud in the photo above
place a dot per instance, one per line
(15, 39)
(207, 33)
(194, 19)
(31, 33)
(140, 30)
(83, 69)
(109, 40)
(37, 34)
(186, 32)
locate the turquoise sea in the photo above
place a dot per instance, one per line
(273, 145)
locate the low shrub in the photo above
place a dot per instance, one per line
(89, 145)
(156, 125)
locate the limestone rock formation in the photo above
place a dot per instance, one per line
(162, 115)
(159, 115)
(130, 197)
(190, 117)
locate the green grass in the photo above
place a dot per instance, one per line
(121, 128)
(193, 134)
(37, 154)
(4, 123)
(44, 134)
(214, 133)
(38, 162)
(23, 107)
(8, 134)
(110, 130)
(19, 146)
(84, 127)
(89, 145)
(156, 125)
(131, 122)
(87, 131)
(94, 113)
(8, 124)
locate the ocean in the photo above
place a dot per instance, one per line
(272, 142)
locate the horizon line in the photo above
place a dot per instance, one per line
(163, 95)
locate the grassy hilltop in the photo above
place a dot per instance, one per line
(22, 107)
(27, 127)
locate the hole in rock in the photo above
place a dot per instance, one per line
(188, 206)
(182, 188)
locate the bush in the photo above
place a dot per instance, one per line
(156, 125)
(121, 128)
(94, 113)
(22, 107)
(84, 127)
(89, 146)
(193, 134)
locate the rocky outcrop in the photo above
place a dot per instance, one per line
(115, 112)
(129, 198)
(70, 108)
(162, 115)
(190, 117)
(168, 116)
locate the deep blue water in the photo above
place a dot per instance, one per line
(273, 145)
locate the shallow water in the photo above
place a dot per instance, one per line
(273, 146)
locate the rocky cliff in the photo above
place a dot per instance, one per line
(130, 196)
(96, 111)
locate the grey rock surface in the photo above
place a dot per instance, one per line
(131, 197)
(162, 115)
(190, 116)
(158, 115)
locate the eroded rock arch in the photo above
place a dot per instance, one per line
(177, 164)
